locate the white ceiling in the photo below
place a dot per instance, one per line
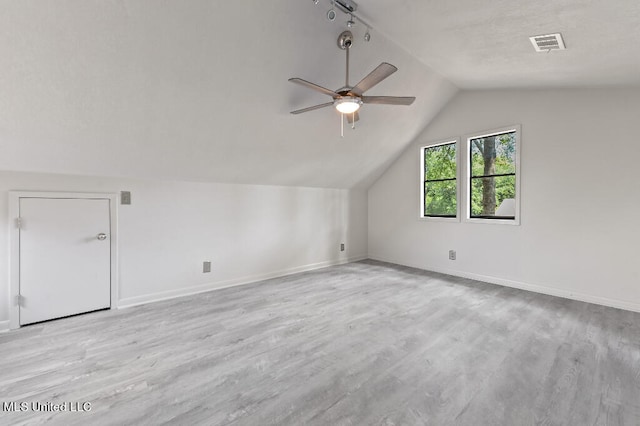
(197, 89)
(485, 44)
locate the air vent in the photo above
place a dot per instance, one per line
(547, 42)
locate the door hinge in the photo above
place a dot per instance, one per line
(19, 300)
(19, 222)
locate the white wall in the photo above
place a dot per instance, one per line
(249, 232)
(580, 191)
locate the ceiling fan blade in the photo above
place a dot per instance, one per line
(315, 87)
(311, 108)
(353, 117)
(383, 71)
(388, 100)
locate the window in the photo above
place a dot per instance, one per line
(493, 170)
(439, 180)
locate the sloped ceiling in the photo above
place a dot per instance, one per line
(197, 90)
(485, 44)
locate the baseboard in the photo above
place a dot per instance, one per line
(536, 288)
(187, 291)
(4, 326)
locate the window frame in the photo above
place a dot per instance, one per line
(422, 216)
(467, 181)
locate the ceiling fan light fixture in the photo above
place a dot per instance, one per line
(347, 105)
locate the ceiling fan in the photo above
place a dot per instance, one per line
(348, 99)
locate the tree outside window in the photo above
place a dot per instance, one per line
(440, 180)
(492, 180)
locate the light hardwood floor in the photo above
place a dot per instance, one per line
(365, 343)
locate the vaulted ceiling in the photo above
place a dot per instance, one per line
(197, 89)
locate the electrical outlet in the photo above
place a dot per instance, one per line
(452, 255)
(342, 247)
(206, 267)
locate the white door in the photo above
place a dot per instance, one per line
(65, 257)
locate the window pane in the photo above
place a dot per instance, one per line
(440, 198)
(493, 196)
(493, 155)
(440, 162)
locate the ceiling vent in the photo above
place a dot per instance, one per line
(547, 42)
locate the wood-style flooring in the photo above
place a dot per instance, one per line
(365, 343)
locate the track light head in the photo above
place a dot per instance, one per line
(351, 22)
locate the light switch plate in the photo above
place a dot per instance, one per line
(125, 197)
(206, 267)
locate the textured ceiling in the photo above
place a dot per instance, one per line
(197, 90)
(485, 44)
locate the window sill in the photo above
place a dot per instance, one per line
(438, 219)
(512, 222)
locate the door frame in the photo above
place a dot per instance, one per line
(14, 243)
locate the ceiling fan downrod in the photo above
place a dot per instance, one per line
(345, 40)
(346, 78)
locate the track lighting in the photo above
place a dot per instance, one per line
(348, 7)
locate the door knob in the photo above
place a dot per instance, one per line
(102, 236)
